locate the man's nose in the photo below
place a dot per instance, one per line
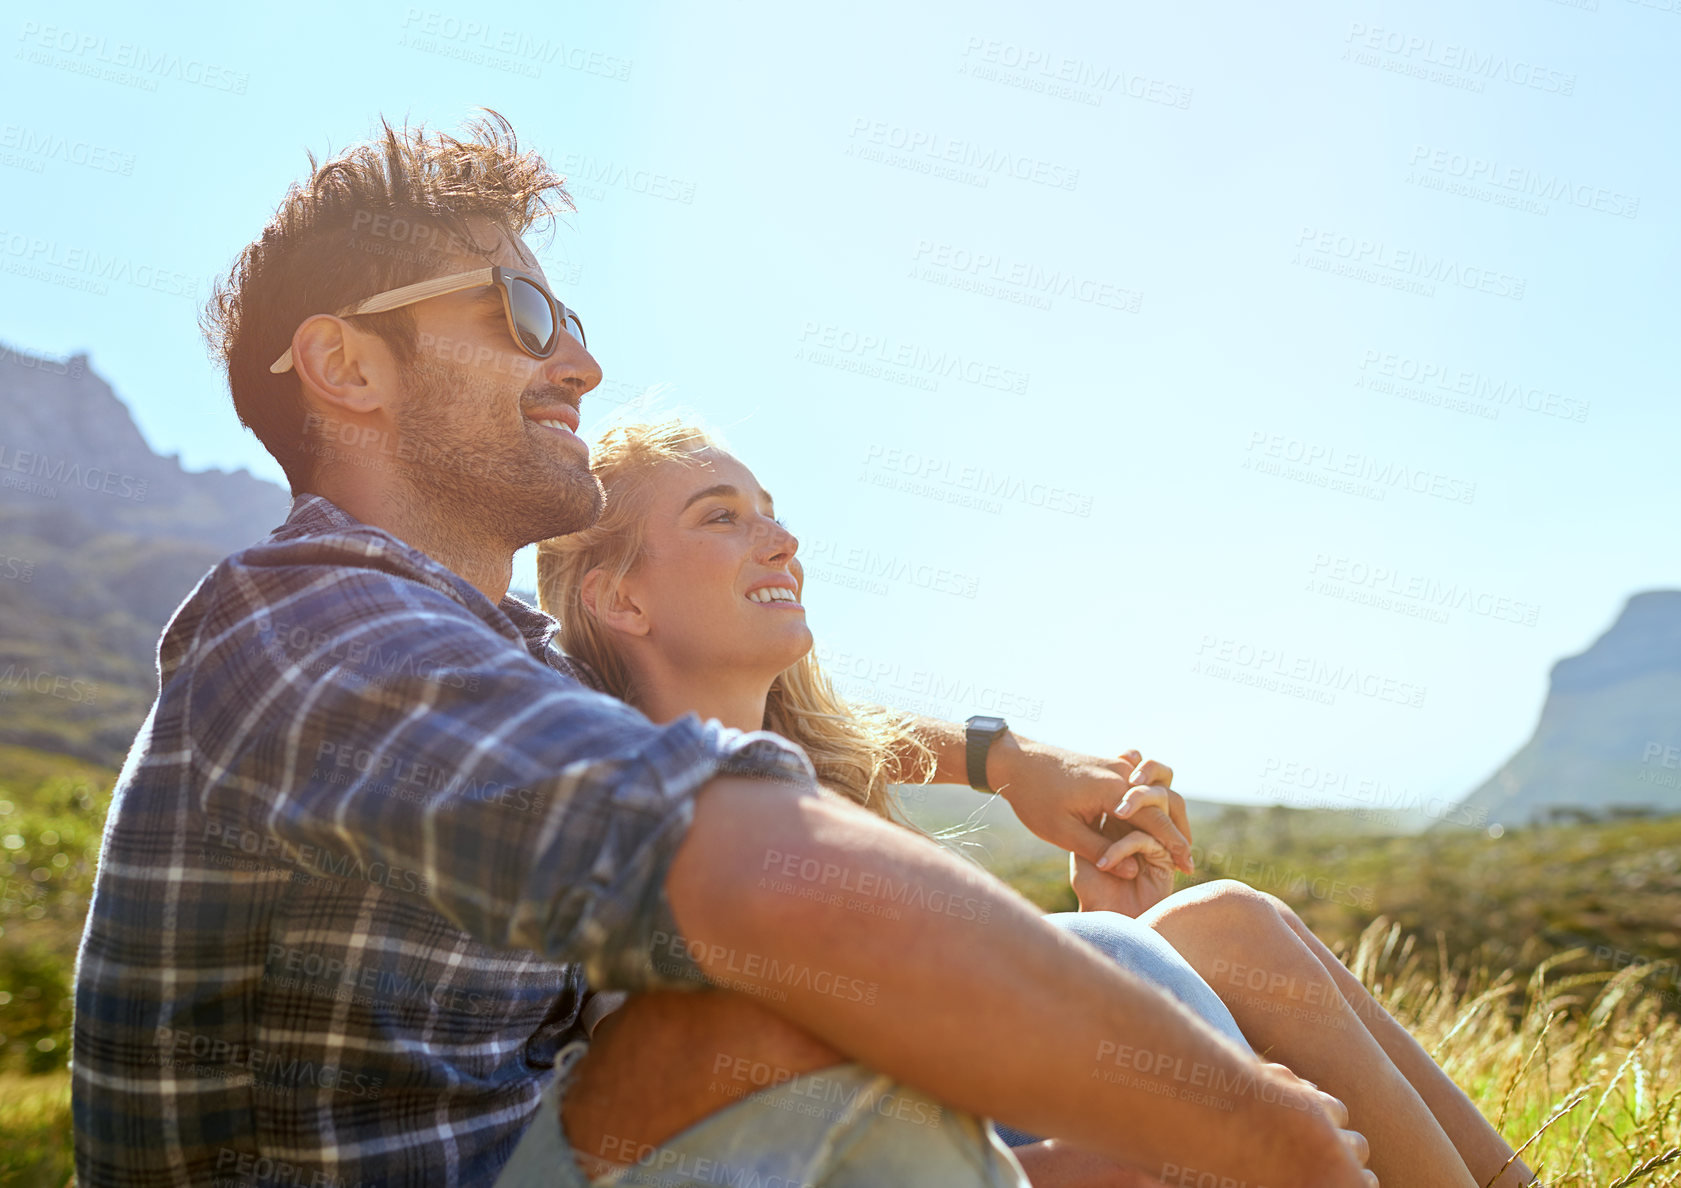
(571, 366)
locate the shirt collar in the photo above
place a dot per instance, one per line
(312, 513)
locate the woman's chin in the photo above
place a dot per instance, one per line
(794, 648)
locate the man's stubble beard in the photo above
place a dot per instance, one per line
(519, 493)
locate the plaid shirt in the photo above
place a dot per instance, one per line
(367, 846)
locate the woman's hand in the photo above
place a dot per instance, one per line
(1139, 876)
(1062, 795)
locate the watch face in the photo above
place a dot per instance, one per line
(986, 725)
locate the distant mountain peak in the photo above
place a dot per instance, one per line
(70, 445)
(1608, 742)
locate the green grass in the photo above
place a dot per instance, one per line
(35, 1148)
(1540, 968)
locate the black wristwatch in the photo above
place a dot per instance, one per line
(981, 732)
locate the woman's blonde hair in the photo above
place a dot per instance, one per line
(858, 750)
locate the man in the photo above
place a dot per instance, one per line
(374, 834)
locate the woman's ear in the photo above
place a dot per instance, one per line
(619, 612)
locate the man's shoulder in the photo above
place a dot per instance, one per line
(323, 570)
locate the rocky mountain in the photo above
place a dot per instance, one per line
(100, 540)
(1609, 740)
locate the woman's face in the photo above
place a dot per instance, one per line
(718, 582)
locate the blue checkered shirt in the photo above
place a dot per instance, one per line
(369, 844)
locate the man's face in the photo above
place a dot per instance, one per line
(473, 450)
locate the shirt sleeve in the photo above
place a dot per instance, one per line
(380, 720)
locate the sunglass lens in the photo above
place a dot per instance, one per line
(533, 317)
(574, 327)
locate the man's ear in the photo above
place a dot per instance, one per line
(341, 366)
(621, 612)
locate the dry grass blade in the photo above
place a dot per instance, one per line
(1650, 1166)
(1616, 1079)
(1570, 1103)
(1506, 1101)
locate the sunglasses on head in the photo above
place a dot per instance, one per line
(535, 318)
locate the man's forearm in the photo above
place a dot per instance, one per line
(916, 963)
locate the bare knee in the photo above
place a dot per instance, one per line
(1223, 907)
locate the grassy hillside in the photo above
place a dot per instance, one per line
(1540, 968)
(52, 810)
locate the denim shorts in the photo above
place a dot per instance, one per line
(845, 1126)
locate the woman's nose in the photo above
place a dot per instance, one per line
(780, 544)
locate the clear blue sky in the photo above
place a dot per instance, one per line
(1207, 306)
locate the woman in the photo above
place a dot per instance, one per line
(684, 597)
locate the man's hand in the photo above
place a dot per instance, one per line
(1334, 1109)
(1064, 796)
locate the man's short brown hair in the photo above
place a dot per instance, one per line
(377, 216)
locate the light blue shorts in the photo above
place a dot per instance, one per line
(848, 1126)
(845, 1126)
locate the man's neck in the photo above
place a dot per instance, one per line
(487, 564)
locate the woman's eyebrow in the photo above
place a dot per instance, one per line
(715, 489)
(724, 489)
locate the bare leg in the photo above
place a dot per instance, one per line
(1294, 1012)
(1478, 1143)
